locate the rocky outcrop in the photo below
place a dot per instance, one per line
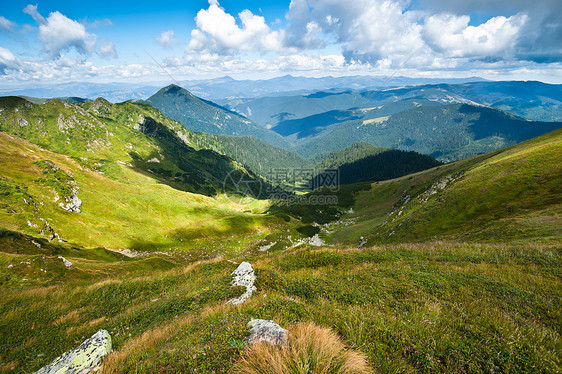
(86, 358)
(262, 330)
(72, 203)
(243, 276)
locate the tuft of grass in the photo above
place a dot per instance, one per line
(309, 349)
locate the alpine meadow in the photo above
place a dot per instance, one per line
(283, 187)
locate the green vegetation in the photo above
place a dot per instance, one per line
(457, 270)
(512, 194)
(354, 152)
(437, 307)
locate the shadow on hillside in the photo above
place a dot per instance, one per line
(210, 231)
(181, 167)
(495, 123)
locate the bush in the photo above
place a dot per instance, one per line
(309, 349)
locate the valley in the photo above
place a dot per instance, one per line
(437, 249)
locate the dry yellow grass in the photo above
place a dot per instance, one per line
(310, 349)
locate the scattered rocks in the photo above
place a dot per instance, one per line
(262, 330)
(66, 263)
(439, 186)
(316, 241)
(86, 358)
(243, 276)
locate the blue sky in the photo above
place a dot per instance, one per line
(147, 41)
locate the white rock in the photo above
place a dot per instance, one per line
(243, 276)
(86, 358)
(262, 330)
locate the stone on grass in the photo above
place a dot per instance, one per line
(85, 359)
(243, 276)
(66, 263)
(262, 330)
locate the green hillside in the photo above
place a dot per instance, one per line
(354, 152)
(511, 194)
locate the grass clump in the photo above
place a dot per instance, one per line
(309, 349)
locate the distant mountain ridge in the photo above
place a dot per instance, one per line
(447, 132)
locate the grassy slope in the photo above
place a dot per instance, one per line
(436, 307)
(134, 211)
(510, 194)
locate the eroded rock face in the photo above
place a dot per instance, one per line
(262, 330)
(243, 276)
(85, 359)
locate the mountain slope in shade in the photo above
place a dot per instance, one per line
(363, 162)
(201, 115)
(353, 153)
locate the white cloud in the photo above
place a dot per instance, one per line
(59, 33)
(7, 60)
(217, 31)
(107, 49)
(166, 38)
(453, 37)
(6, 24)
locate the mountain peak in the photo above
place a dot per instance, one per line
(172, 90)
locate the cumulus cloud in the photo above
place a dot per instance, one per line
(217, 31)
(166, 38)
(59, 32)
(7, 25)
(453, 37)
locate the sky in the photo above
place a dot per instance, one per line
(154, 41)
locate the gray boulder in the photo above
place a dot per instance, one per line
(85, 359)
(262, 330)
(243, 276)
